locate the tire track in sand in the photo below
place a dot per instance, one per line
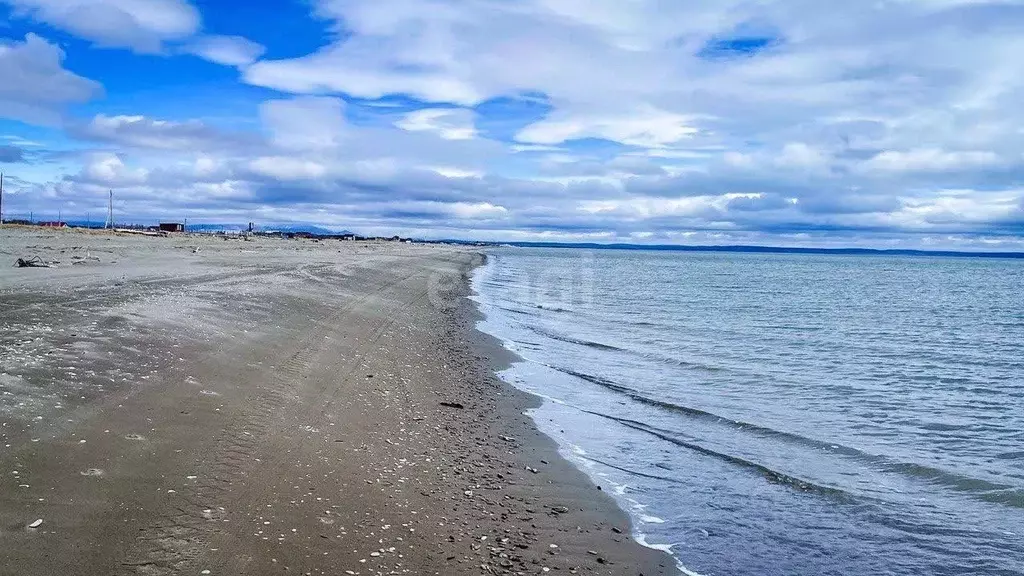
(178, 542)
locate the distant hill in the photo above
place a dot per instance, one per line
(265, 228)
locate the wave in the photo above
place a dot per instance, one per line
(976, 488)
(773, 476)
(553, 308)
(514, 311)
(678, 362)
(683, 363)
(628, 471)
(571, 340)
(610, 348)
(636, 395)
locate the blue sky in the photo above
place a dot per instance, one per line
(894, 123)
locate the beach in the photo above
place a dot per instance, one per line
(203, 405)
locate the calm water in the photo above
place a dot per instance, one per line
(783, 414)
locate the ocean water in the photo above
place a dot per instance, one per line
(782, 414)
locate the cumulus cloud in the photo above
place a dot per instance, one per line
(106, 169)
(449, 123)
(931, 160)
(142, 25)
(142, 132)
(35, 85)
(618, 70)
(287, 168)
(644, 127)
(306, 123)
(730, 121)
(476, 210)
(226, 50)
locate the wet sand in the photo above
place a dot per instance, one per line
(192, 405)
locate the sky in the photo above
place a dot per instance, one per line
(879, 123)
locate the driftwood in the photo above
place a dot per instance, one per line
(34, 262)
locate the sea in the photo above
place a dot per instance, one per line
(790, 414)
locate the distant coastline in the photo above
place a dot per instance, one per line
(764, 249)
(319, 232)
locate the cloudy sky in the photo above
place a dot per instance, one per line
(890, 123)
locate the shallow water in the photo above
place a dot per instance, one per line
(783, 414)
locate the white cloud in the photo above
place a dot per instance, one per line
(34, 85)
(450, 172)
(645, 127)
(142, 25)
(533, 148)
(794, 156)
(605, 65)
(801, 156)
(449, 123)
(469, 210)
(288, 168)
(143, 132)
(957, 209)
(305, 123)
(642, 208)
(226, 50)
(931, 160)
(107, 169)
(617, 120)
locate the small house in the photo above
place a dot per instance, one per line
(172, 227)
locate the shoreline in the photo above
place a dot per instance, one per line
(597, 505)
(191, 405)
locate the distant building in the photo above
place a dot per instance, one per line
(54, 224)
(172, 227)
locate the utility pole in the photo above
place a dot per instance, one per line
(110, 209)
(1, 197)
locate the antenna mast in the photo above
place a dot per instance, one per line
(110, 209)
(1, 197)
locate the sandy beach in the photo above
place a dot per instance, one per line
(195, 405)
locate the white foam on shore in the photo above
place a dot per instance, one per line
(570, 451)
(641, 539)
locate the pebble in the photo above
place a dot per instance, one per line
(36, 524)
